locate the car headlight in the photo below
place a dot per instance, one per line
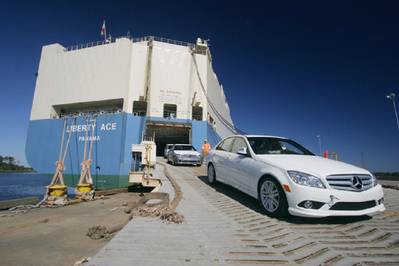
(305, 179)
(375, 182)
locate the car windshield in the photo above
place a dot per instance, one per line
(269, 145)
(184, 148)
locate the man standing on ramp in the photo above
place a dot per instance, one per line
(206, 147)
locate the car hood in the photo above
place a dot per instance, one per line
(314, 165)
(187, 152)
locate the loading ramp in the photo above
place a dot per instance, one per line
(224, 226)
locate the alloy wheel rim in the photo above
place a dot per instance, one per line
(270, 196)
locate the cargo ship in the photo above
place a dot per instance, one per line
(122, 90)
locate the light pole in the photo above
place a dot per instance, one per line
(319, 140)
(391, 96)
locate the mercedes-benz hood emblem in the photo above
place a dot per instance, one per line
(357, 182)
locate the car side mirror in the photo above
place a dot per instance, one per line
(243, 151)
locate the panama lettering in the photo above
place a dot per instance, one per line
(90, 127)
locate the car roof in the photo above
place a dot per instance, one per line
(257, 136)
(264, 136)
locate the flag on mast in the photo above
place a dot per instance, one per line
(104, 31)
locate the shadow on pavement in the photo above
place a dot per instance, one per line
(253, 204)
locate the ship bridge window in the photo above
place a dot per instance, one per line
(169, 110)
(197, 113)
(139, 108)
(99, 107)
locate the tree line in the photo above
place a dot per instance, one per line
(387, 175)
(10, 164)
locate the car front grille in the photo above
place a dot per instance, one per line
(190, 157)
(354, 183)
(353, 206)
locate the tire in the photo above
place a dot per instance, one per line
(211, 174)
(272, 198)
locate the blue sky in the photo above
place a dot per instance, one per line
(288, 68)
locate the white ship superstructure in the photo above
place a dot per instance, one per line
(133, 87)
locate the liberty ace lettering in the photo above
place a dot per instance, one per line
(90, 127)
(84, 128)
(108, 126)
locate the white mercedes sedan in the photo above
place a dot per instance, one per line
(287, 178)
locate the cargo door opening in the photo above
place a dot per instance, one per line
(169, 134)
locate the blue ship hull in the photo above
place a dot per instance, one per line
(113, 136)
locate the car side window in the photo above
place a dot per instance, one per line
(219, 147)
(226, 145)
(238, 144)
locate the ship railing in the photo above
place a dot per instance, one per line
(161, 39)
(148, 138)
(88, 45)
(139, 39)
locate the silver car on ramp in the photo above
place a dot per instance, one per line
(184, 154)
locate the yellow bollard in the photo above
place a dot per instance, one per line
(84, 188)
(57, 190)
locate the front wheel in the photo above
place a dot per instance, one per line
(211, 174)
(272, 198)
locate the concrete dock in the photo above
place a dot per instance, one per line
(224, 226)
